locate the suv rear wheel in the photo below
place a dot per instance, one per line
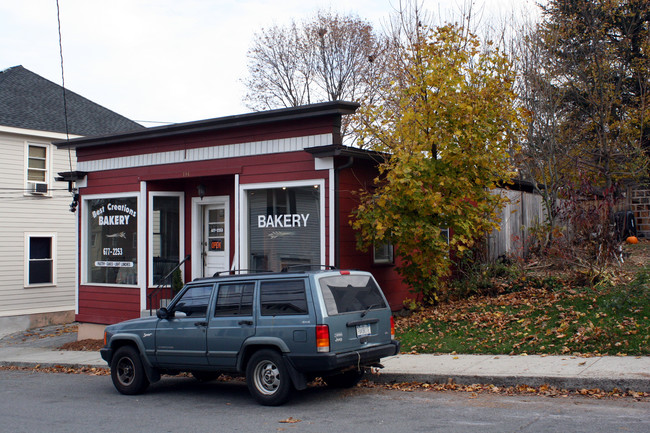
(267, 378)
(127, 371)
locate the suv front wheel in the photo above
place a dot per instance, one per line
(127, 371)
(267, 378)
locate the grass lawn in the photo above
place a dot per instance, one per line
(550, 315)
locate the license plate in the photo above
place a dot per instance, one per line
(363, 330)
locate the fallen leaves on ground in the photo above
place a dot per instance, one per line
(93, 371)
(476, 389)
(290, 420)
(84, 345)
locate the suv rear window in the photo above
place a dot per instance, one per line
(280, 298)
(348, 293)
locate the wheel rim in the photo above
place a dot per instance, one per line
(267, 377)
(125, 371)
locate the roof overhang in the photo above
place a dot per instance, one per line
(345, 151)
(221, 123)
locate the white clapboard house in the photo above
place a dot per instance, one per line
(37, 229)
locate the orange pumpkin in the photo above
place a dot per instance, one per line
(632, 240)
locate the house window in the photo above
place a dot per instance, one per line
(284, 227)
(37, 169)
(112, 228)
(383, 254)
(40, 268)
(165, 235)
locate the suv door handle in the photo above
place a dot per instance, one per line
(201, 324)
(246, 322)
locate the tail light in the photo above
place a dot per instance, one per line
(392, 328)
(322, 338)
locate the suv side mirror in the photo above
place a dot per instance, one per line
(163, 313)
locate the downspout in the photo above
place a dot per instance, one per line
(337, 218)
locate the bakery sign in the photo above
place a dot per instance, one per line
(282, 221)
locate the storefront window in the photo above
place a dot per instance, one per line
(165, 226)
(113, 240)
(284, 227)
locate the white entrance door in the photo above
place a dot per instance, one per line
(210, 235)
(215, 239)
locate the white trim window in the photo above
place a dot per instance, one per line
(282, 225)
(40, 259)
(166, 229)
(37, 168)
(110, 239)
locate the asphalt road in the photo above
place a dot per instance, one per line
(48, 402)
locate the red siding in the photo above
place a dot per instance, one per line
(352, 180)
(106, 305)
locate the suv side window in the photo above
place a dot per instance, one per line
(194, 301)
(281, 298)
(235, 300)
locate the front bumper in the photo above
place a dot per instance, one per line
(106, 354)
(324, 362)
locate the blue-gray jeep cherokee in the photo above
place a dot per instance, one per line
(279, 329)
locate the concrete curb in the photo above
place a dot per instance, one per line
(568, 383)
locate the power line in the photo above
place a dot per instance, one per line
(65, 101)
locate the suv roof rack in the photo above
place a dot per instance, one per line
(240, 271)
(298, 268)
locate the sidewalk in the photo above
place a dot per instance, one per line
(567, 372)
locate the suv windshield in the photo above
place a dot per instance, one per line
(349, 293)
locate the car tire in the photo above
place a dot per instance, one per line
(347, 379)
(267, 378)
(127, 371)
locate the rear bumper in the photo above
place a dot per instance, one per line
(336, 361)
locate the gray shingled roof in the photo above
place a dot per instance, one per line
(29, 101)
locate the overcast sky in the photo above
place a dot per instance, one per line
(165, 60)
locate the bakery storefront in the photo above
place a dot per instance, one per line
(261, 191)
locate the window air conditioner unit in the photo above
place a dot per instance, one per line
(38, 188)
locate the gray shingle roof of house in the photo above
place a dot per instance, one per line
(29, 101)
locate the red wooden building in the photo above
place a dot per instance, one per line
(256, 191)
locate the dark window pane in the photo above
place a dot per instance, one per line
(40, 248)
(195, 301)
(40, 271)
(347, 293)
(235, 300)
(280, 298)
(166, 234)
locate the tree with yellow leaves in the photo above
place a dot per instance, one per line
(447, 128)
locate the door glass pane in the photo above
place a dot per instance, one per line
(216, 229)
